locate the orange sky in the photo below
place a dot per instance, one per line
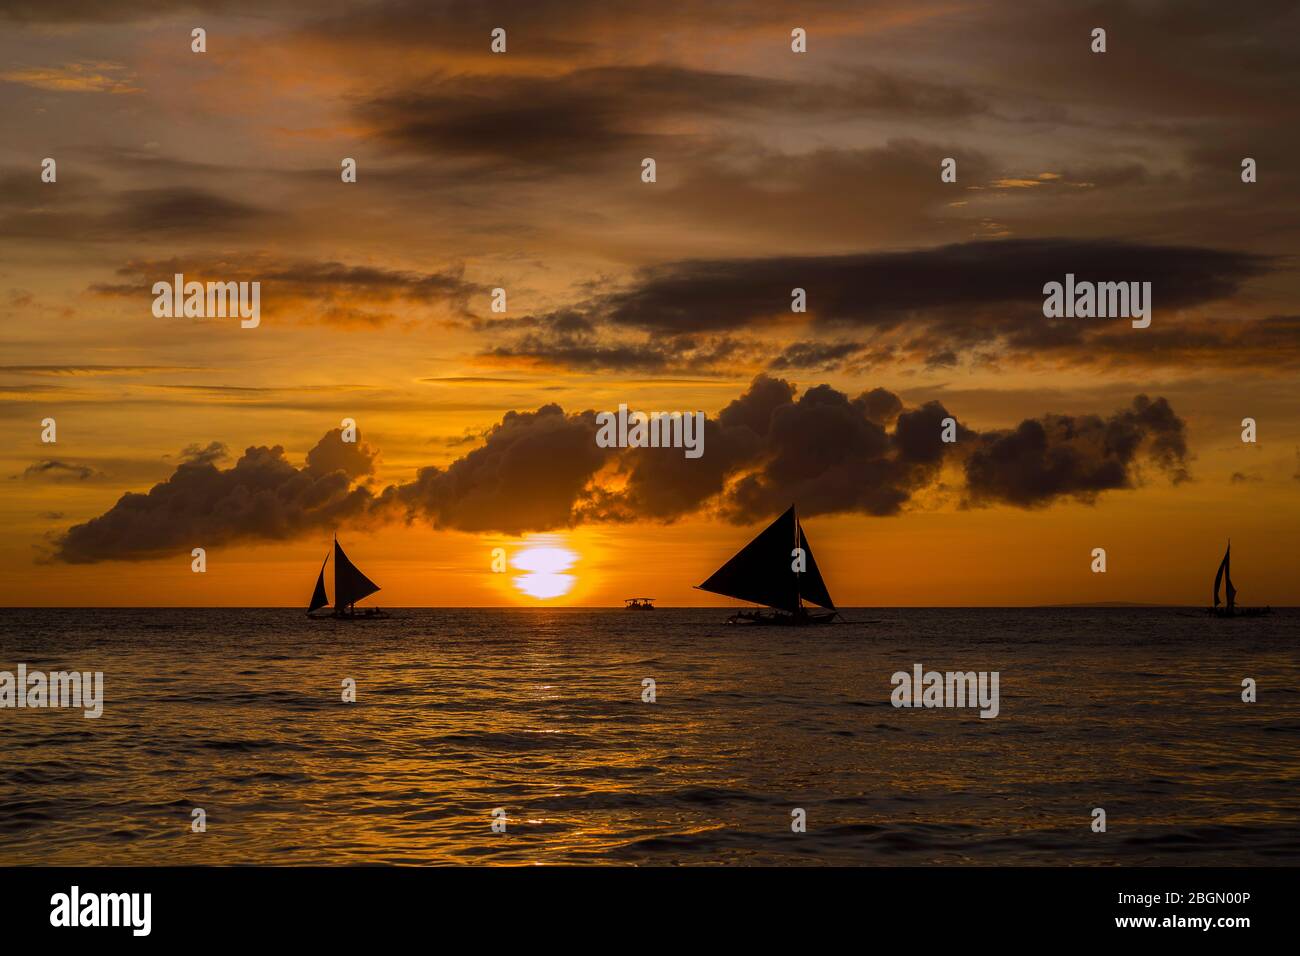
(521, 171)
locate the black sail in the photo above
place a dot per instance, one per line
(811, 586)
(318, 597)
(1227, 579)
(1218, 579)
(350, 585)
(760, 571)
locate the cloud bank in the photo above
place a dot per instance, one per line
(542, 470)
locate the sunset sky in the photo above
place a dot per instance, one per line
(522, 170)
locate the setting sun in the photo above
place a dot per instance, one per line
(544, 564)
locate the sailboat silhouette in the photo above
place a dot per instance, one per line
(350, 586)
(763, 572)
(1224, 576)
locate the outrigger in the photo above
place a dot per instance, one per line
(639, 604)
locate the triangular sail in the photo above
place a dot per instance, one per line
(1227, 578)
(811, 586)
(1218, 578)
(760, 571)
(318, 597)
(350, 585)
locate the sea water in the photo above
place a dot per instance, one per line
(464, 718)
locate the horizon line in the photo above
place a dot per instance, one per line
(1116, 605)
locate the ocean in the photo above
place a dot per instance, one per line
(535, 719)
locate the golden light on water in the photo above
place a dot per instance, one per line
(545, 563)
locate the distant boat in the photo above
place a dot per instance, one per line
(763, 572)
(639, 604)
(1224, 576)
(350, 586)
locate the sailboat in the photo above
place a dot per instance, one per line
(1224, 576)
(763, 572)
(350, 586)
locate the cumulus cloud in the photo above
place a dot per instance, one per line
(531, 472)
(1057, 456)
(261, 497)
(772, 445)
(356, 459)
(203, 454)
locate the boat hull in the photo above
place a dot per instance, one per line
(1238, 611)
(782, 618)
(369, 614)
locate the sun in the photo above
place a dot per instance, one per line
(544, 562)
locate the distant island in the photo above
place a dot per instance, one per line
(1114, 604)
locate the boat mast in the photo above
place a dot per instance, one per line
(798, 598)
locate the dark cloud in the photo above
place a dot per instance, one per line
(356, 459)
(569, 352)
(1258, 345)
(932, 305)
(32, 209)
(536, 471)
(662, 484)
(21, 189)
(78, 206)
(941, 286)
(204, 454)
(182, 210)
(53, 470)
(323, 291)
(568, 30)
(816, 356)
(124, 11)
(530, 473)
(881, 406)
(834, 454)
(1058, 456)
(556, 341)
(261, 497)
(564, 119)
(946, 358)
(824, 452)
